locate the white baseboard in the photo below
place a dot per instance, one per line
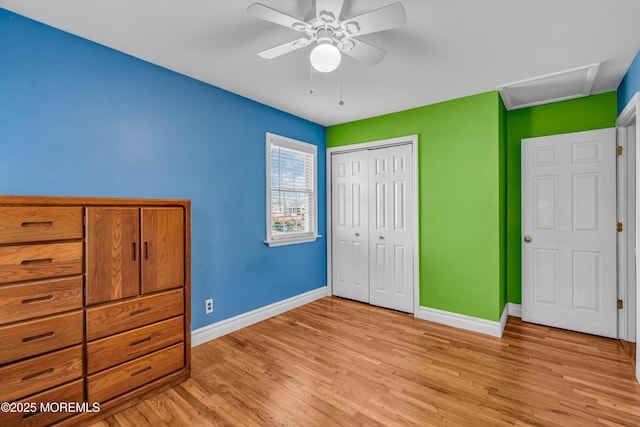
(462, 321)
(503, 318)
(515, 310)
(218, 329)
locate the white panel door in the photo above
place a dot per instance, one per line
(350, 242)
(569, 231)
(391, 227)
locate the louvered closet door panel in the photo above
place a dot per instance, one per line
(113, 252)
(350, 263)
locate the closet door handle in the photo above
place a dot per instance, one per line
(134, 250)
(146, 250)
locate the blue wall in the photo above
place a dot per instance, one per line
(80, 119)
(630, 83)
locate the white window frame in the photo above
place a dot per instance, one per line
(291, 238)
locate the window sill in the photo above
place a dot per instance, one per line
(291, 241)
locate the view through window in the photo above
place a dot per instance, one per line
(292, 190)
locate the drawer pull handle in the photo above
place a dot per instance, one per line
(37, 261)
(140, 342)
(31, 414)
(37, 299)
(37, 374)
(38, 224)
(133, 374)
(142, 310)
(39, 337)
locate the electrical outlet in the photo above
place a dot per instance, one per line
(208, 306)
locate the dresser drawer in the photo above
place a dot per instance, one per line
(117, 317)
(21, 379)
(72, 392)
(33, 337)
(106, 352)
(37, 224)
(27, 300)
(122, 378)
(30, 262)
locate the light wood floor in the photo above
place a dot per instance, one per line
(337, 362)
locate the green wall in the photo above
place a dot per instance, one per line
(462, 148)
(593, 112)
(503, 203)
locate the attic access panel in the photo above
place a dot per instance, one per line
(560, 86)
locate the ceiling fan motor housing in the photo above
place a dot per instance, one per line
(324, 36)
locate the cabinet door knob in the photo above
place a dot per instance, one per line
(527, 239)
(357, 234)
(381, 237)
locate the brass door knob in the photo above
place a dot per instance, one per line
(527, 239)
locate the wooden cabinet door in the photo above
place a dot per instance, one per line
(162, 249)
(113, 254)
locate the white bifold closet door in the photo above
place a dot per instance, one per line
(350, 225)
(372, 226)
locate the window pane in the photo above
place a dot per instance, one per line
(291, 212)
(291, 170)
(292, 188)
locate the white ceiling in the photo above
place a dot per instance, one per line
(448, 49)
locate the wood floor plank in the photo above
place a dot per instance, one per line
(341, 363)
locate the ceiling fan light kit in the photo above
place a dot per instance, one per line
(331, 35)
(325, 57)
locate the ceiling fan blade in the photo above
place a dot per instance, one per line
(365, 52)
(334, 7)
(385, 18)
(268, 14)
(276, 51)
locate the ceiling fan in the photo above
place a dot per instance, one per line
(332, 34)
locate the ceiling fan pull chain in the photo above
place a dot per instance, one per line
(310, 78)
(341, 101)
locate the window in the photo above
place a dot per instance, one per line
(292, 200)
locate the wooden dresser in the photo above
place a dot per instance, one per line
(94, 305)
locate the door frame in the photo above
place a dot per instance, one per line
(629, 117)
(626, 198)
(370, 145)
